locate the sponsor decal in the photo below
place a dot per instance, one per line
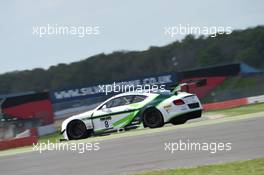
(167, 108)
(97, 90)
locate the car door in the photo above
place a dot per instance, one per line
(113, 114)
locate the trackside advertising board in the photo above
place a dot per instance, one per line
(58, 96)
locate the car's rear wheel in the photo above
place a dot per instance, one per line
(76, 130)
(153, 118)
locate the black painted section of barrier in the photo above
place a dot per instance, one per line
(221, 70)
(22, 99)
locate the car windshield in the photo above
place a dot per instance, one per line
(166, 92)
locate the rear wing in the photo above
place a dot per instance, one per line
(179, 86)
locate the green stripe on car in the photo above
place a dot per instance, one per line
(126, 120)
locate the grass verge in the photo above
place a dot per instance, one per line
(53, 138)
(251, 108)
(250, 167)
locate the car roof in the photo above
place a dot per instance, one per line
(134, 93)
(146, 93)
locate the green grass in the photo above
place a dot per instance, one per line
(250, 167)
(252, 108)
(51, 137)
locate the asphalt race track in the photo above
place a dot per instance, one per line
(145, 152)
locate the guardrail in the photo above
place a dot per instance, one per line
(234, 103)
(20, 142)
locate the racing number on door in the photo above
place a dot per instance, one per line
(106, 123)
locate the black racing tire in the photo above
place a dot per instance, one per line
(76, 130)
(153, 118)
(178, 121)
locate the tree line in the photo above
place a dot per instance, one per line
(191, 52)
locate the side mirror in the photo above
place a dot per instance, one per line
(104, 109)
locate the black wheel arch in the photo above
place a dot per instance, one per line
(147, 109)
(86, 133)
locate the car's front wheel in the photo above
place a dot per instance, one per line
(76, 130)
(153, 118)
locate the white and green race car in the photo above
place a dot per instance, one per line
(129, 110)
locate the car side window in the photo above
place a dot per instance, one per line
(138, 98)
(120, 101)
(115, 102)
(125, 100)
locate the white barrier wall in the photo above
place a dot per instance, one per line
(256, 99)
(45, 130)
(72, 111)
